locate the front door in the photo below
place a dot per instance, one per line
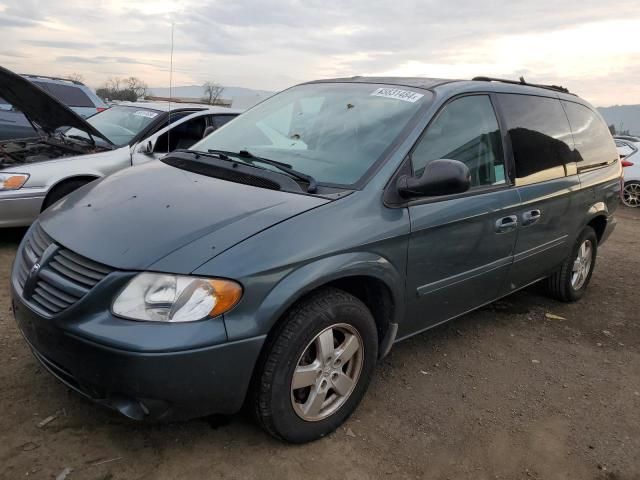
(461, 247)
(179, 135)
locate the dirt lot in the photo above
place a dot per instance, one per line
(505, 392)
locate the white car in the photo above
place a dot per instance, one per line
(71, 151)
(628, 151)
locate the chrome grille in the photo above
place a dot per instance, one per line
(64, 277)
(35, 244)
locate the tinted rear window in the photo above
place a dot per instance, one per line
(593, 143)
(540, 137)
(69, 95)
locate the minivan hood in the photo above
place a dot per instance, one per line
(40, 107)
(135, 218)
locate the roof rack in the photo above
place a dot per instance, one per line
(557, 88)
(29, 75)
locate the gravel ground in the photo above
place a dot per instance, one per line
(506, 392)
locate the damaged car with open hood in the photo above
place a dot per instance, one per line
(273, 263)
(71, 151)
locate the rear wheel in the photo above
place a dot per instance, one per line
(631, 194)
(317, 367)
(571, 280)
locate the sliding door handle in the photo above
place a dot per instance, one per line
(531, 217)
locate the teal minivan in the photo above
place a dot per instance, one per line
(274, 262)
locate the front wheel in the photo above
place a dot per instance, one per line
(631, 194)
(570, 282)
(317, 367)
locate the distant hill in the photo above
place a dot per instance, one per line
(623, 117)
(241, 97)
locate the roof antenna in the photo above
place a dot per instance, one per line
(170, 89)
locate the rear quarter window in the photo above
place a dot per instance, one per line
(593, 143)
(69, 95)
(540, 137)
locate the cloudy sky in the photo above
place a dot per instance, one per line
(593, 47)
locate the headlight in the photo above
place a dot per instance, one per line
(12, 181)
(160, 297)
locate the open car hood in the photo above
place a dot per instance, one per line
(40, 107)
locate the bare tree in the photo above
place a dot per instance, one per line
(113, 83)
(116, 88)
(213, 92)
(137, 86)
(76, 77)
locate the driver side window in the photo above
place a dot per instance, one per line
(181, 136)
(466, 130)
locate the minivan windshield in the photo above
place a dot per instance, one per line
(119, 123)
(334, 132)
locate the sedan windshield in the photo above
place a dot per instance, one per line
(334, 132)
(119, 124)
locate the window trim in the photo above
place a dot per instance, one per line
(407, 164)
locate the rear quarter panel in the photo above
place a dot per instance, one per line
(601, 191)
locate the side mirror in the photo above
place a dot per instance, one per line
(146, 148)
(440, 177)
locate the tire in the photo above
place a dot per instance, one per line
(61, 191)
(631, 194)
(564, 285)
(279, 408)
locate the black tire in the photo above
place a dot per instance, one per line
(61, 191)
(559, 284)
(272, 395)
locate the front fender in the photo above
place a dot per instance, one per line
(246, 322)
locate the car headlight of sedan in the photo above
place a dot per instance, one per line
(159, 297)
(12, 181)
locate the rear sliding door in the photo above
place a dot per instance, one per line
(546, 179)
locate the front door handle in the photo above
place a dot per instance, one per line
(531, 217)
(507, 224)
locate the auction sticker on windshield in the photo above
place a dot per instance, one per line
(145, 113)
(398, 94)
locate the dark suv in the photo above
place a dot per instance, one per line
(72, 93)
(280, 257)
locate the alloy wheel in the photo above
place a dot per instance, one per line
(327, 372)
(582, 265)
(631, 195)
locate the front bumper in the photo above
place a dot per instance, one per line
(19, 208)
(174, 384)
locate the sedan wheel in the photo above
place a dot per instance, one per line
(631, 194)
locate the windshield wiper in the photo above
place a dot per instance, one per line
(247, 157)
